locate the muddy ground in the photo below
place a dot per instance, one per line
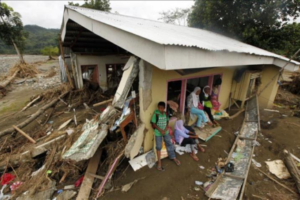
(178, 182)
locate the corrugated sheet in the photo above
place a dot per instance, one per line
(169, 34)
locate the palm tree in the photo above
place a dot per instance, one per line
(11, 29)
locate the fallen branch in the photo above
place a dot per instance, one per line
(30, 103)
(34, 116)
(5, 83)
(24, 134)
(103, 102)
(276, 181)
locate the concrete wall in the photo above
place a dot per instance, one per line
(101, 62)
(268, 95)
(159, 93)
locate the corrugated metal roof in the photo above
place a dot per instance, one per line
(169, 34)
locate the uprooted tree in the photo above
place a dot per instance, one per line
(11, 29)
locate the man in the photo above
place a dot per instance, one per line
(159, 122)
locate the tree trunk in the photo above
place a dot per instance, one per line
(21, 59)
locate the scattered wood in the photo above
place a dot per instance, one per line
(31, 103)
(24, 134)
(9, 79)
(34, 116)
(38, 150)
(276, 181)
(87, 182)
(50, 114)
(103, 103)
(293, 169)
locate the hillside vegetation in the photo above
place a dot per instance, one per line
(38, 39)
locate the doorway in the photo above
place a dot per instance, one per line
(90, 73)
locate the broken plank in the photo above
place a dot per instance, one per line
(30, 103)
(103, 103)
(96, 176)
(88, 180)
(24, 134)
(293, 169)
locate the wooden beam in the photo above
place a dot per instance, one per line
(88, 180)
(63, 58)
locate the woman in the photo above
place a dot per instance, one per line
(215, 95)
(183, 137)
(205, 97)
(194, 104)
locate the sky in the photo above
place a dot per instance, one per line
(49, 14)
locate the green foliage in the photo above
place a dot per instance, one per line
(38, 38)
(50, 51)
(11, 27)
(256, 22)
(176, 16)
(103, 5)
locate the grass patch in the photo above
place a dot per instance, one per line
(14, 106)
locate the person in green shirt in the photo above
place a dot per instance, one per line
(160, 122)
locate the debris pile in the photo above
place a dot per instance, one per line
(66, 146)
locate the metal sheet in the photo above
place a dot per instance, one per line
(169, 34)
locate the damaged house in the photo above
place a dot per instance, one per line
(170, 61)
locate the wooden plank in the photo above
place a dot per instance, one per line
(103, 102)
(95, 176)
(24, 134)
(88, 180)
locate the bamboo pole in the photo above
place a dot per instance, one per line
(102, 103)
(24, 134)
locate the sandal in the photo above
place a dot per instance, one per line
(177, 162)
(160, 169)
(195, 158)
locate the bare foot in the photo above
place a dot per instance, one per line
(177, 161)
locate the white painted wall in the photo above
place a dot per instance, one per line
(101, 62)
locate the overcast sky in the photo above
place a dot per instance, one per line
(48, 14)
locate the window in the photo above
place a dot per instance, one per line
(179, 90)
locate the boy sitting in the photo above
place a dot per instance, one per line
(159, 122)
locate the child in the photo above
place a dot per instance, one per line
(159, 122)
